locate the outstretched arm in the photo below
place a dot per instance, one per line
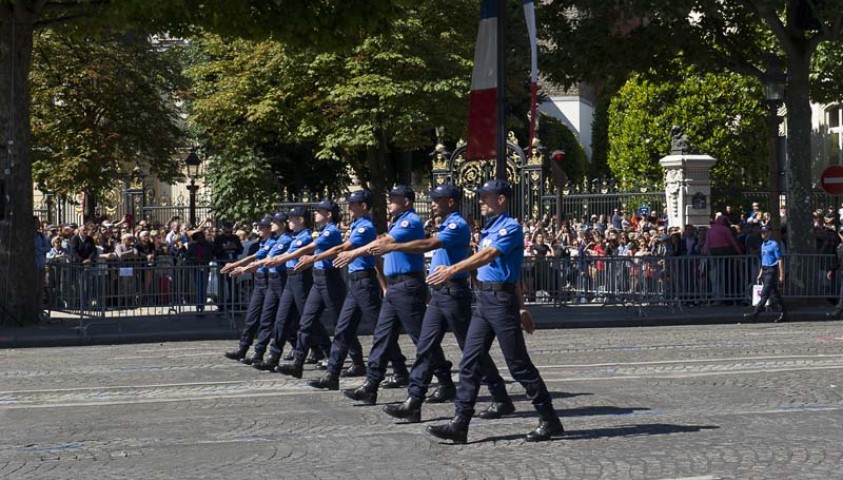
(443, 273)
(306, 261)
(415, 246)
(345, 258)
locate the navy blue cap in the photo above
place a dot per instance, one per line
(766, 228)
(364, 196)
(279, 217)
(446, 190)
(265, 221)
(403, 191)
(298, 211)
(327, 204)
(496, 187)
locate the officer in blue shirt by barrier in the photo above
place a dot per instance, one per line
(363, 298)
(404, 300)
(500, 313)
(298, 283)
(449, 306)
(277, 282)
(253, 314)
(771, 274)
(328, 290)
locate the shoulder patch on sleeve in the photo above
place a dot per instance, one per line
(326, 233)
(452, 226)
(502, 232)
(298, 243)
(361, 230)
(405, 224)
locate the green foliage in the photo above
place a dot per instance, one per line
(827, 74)
(721, 116)
(101, 104)
(555, 135)
(242, 189)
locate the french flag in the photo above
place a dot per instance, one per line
(482, 109)
(530, 16)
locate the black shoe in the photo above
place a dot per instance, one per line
(781, 318)
(366, 393)
(237, 354)
(750, 317)
(355, 370)
(456, 430)
(256, 358)
(322, 365)
(442, 394)
(290, 357)
(329, 381)
(267, 365)
(314, 357)
(497, 410)
(292, 369)
(410, 410)
(835, 314)
(396, 381)
(548, 427)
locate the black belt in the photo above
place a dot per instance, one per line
(454, 283)
(369, 272)
(276, 274)
(496, 287)
(260, 275)
(293, 271)
(403, 278)
(765, 267)
(321, 272)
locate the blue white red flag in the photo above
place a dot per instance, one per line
(482, 110)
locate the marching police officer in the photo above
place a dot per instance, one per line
(771, 274)
(837, 311)
(404, 300)
(501, 315)
(328, 290)
(277, 282)
(256, 301)
(449, 306)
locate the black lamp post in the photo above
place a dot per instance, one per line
(774, 90)
(192, 161)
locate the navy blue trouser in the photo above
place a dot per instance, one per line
(292, 300)
(326, 297)
(271, 299)
(770, 288)
(362, 301)
(497, 316)
(403, 305)
(253, 314)
(450, 306)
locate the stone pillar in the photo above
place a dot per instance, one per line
(687, 185)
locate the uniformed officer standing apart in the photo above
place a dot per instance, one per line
(837, 311)
(771, 274)
(328, 290)
(277, 283)
(404, 300)
(363, 297)
(450, 305)
(253, 314)
(500, 313)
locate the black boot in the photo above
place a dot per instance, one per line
(314, 357)
(751, 316)
(497, 410)
(834, 314)
(292, 369)
(329, 381)
(445, 392)
(237, 355)
(322, 365)
(269, 364)
(456, 430)
(366, 393)
(410, 410)
(256, 358)
(290, 356)
(355, 370)
(549, 425)
(781, 318)
(396, 380)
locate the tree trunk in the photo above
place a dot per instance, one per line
(798, 164)
(376, 162)
(19, 296)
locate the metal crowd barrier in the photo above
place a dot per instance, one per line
(120, 289)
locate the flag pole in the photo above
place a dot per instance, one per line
(500, 160)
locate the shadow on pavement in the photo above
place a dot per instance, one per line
(622, 431)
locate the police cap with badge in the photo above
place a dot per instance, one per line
(280, 218)
(403, 191)
(446, 190)
(496, 187)
(329, 205)
(265, 222)
(360, 196)
(298, 211)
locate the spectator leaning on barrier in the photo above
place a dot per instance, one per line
(199, 253)
(126, 249)
(81, 246)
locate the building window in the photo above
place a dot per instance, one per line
(834, 120)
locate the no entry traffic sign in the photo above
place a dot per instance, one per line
(831, 180)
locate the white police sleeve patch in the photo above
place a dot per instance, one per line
(452, 226)
(502, 232)
(298, 243)
(405, 224)
(361, 230)
(327, 233)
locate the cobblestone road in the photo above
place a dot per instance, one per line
(702, 403)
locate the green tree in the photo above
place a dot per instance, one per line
(555, 135)
(719, 113)
(101, 104)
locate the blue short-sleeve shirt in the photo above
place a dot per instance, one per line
(771, 253)
(505, 235)
(326, 238)
(455, 236)
(405, 228)
(300, 239)
(362, 232)
(282, 243)
(263, 251)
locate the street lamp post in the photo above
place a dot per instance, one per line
(774, 91)
(192, 162)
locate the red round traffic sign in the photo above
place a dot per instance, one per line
(831, 180)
